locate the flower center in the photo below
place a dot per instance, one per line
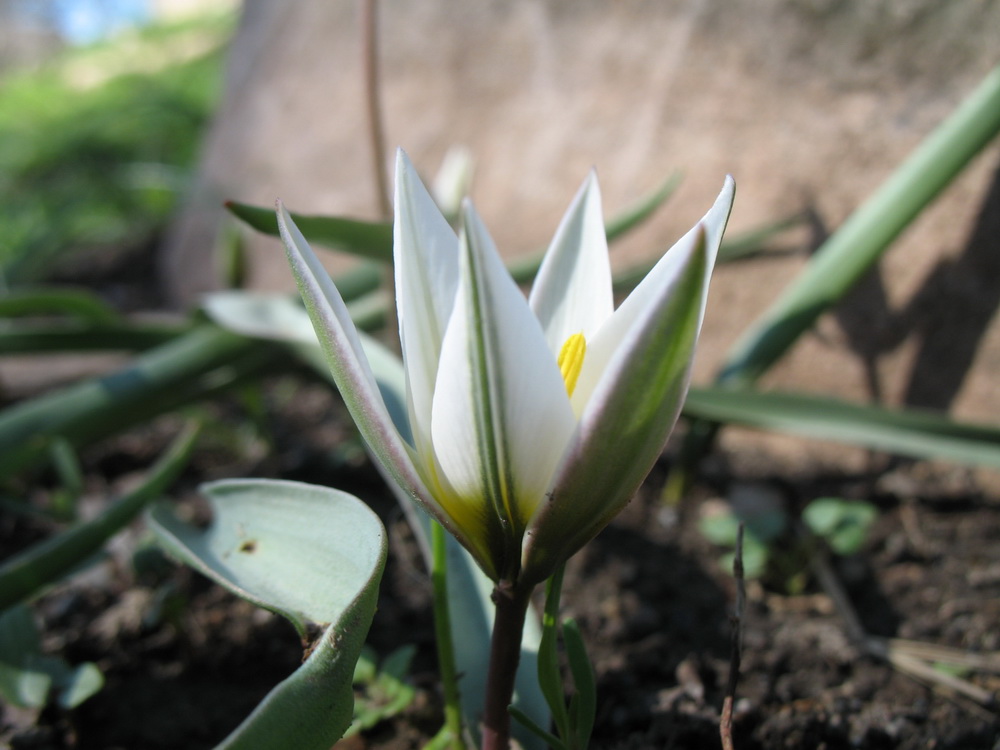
(571, 360)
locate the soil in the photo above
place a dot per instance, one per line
(184, 661)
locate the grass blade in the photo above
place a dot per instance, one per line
(46, 562)
(368, 239)
(855, 247)
(186, 369)
(919, 434)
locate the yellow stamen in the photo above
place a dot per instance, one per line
(571, 360)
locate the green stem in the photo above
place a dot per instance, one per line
(442, 632)
(505, 654)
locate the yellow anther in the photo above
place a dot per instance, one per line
(571, 360)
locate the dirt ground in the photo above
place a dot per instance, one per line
(184, 661)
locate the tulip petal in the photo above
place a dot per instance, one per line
(501, 417)
(609, 339)
(425, 254)
(349, 365)
(572, 291)
(643, 357)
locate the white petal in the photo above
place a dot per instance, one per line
(664, 274)
(345, 355)
(425, 254)
(639, 367)
(501, 416)
(624, 425)
(572, 292)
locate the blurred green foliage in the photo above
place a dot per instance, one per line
(96, 145)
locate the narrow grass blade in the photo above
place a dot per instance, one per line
(549, 677)
(583, 705)
(919, 434)
(373, 240)
(44, 563)
(76, 303)
(202, 362)
(529, 724)
(859, 243)
(367, 239)
(62, 336)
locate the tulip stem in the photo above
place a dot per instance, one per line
(505, 652)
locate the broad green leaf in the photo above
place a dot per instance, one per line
(311, 554)
(23, 575)
(907, 432)
(367, 239)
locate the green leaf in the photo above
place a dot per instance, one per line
(844, 524)
(742, 246)
(583, 704)
(373, 240)
(907, 432)
(722, 528)
(311, 554)
(20, 644)
(77, 303)
(203, 361)
(23, 575)
(756, 555)
(549, 677)
(28, 677)
(530, 725)
(367, 239)
(858, 244)
(385, 692)
(74, 336)
(753, 241)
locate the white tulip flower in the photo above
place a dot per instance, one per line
(532, 420)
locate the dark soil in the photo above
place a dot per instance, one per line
(184, 661)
